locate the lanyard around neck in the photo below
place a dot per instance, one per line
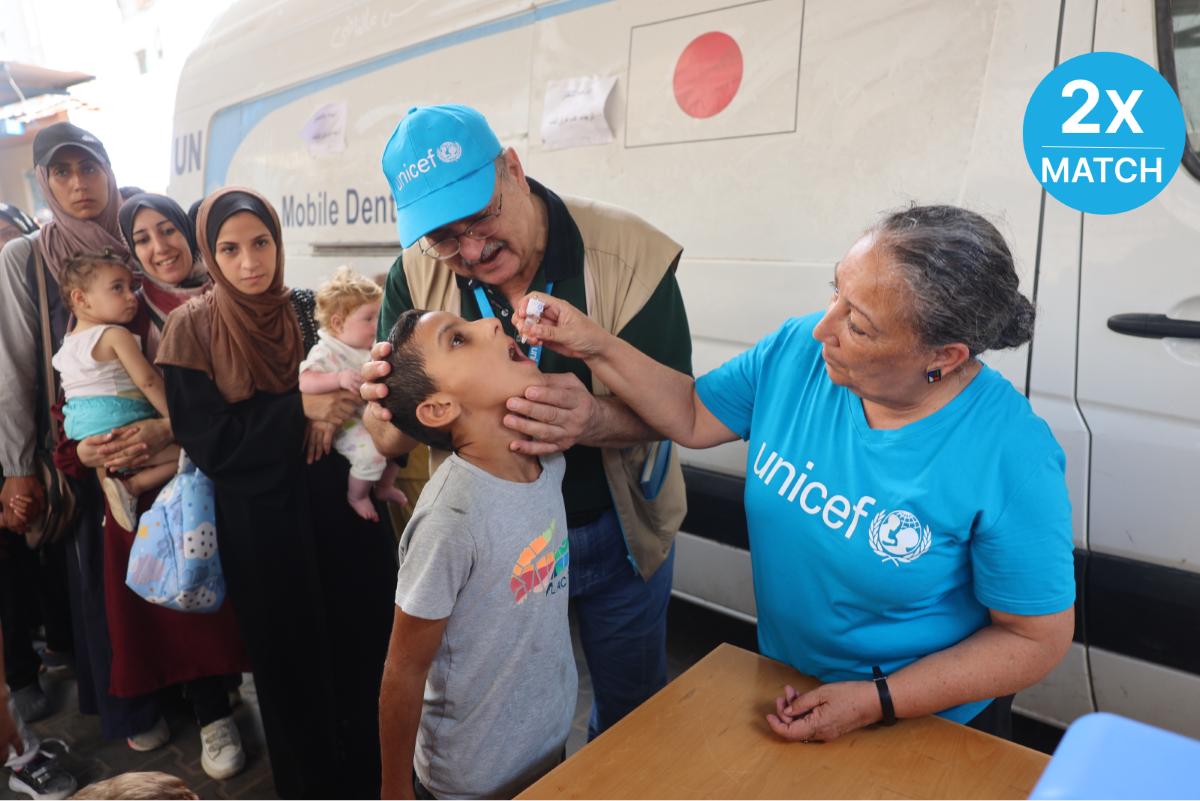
(485, 310)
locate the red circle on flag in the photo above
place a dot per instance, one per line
(708, 74)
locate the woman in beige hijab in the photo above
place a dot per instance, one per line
(312, 584)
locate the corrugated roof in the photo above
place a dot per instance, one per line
(34, 81)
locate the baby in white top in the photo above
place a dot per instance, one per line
(107, 381)
(348, 312)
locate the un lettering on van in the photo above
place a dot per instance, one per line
(187, 152)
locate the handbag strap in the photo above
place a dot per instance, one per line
(47, 351)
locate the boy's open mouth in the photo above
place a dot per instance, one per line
(515, 353)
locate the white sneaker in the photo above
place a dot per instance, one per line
(155, 737)
(121, 503)
(221, 753)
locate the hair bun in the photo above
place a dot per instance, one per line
(1019, 328)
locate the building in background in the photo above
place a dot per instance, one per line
(135, 49)
(30, 99)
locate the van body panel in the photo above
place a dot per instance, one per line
(1139, 396)
(1062, 696)
(845, 111)
(1146, 691)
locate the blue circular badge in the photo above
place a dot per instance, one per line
(1104, 133)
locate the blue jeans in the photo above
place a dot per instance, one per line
(622, 620)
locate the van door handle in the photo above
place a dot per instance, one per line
(1154, 326)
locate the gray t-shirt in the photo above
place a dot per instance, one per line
(491, 555)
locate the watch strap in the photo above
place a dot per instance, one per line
(885, 696)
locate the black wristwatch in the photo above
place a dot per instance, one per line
(885, 697)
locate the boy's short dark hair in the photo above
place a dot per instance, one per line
(81, 268)
(408, 384)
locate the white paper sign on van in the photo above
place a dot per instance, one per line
(573, 112)
(325, 131)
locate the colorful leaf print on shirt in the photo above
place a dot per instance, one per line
(538, 565)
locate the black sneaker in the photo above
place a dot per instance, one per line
(42, 776)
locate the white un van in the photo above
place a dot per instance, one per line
(766, 160)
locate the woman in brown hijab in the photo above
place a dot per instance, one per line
(312, 584)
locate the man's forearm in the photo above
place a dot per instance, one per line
(616, 426)
(651, 392)
(390, 441)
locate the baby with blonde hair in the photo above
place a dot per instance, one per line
(348, 312)
(137, 785)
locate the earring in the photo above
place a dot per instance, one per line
(934, 376)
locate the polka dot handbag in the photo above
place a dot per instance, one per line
(174, 561)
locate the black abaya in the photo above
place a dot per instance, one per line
(312, 584)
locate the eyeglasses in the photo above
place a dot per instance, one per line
(481, 230)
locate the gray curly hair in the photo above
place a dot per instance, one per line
(961, 275)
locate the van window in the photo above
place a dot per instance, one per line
(1179, 29)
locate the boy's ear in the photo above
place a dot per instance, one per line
(438, 411)
(336, 322)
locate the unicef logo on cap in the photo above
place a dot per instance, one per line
(898, 536)
(449, 152)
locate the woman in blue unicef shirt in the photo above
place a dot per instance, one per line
(910, 530)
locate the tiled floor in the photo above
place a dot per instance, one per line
(692, 633)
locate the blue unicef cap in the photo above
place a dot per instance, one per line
(438, 164)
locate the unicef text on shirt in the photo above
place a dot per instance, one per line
(834, 509)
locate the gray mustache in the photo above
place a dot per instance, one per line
(488, 251)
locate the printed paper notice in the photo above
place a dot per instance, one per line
(325, 131)
(573, 113)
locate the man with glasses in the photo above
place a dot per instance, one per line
(478, 235)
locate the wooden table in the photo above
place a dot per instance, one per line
(705, 736)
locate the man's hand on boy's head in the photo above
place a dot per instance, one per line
(373, 389)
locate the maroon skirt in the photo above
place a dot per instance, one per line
(153, 646)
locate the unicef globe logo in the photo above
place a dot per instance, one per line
(449, 152)
(898, 536)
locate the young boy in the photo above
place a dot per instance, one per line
(480, 683)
